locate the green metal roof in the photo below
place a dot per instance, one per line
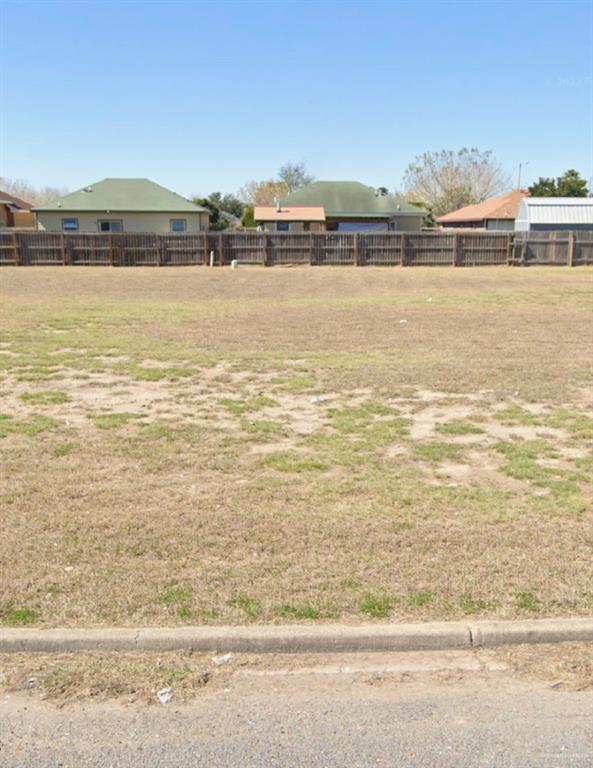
(141, 195)
(350, 199)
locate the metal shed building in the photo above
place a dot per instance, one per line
(540, 214)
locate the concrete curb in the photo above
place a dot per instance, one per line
(329, 638)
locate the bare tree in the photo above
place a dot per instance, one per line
(446, 180)
(295, 175)
(290, 177)
(263, 192)
(29, 193)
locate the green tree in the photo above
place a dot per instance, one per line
(570, 184)
(219, 205)
(217, 221)
(544, 187)
(248, 219)
(227, 203)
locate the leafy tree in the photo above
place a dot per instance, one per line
(219, 205)
(544, 187)
(446, 180)
(29, 192)
(295, 175)
(217, 221)
(248, 218)
(227, 203)
(570, 184)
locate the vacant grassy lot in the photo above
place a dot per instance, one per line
(193, 445)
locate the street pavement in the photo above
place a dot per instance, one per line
(324, 718)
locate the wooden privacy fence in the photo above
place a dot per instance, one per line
(408, 249)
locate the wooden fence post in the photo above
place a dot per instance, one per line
(455, 259)
(265, 255)
(221, 249)
(357, 249)
(402, 251)
(570, 249)
(17, 250)
(205, 240)
(311, 250)
(509, 250)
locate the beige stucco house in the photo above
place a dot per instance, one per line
(343, 206)
(122, 205)
(289, 218)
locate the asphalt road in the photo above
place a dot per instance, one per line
(314, 721)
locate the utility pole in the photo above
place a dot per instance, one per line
(522, 163)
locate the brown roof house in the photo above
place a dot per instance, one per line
(344, 206)
(15, 212)
(289, 218)
(496, 213)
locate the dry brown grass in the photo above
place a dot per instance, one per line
(192, 445)
(135, 678)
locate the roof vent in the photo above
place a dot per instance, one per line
(278, 206)
(87, 189)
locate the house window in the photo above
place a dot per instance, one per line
(178, 225)
(69, 225)
(282, 226)
(110, 225)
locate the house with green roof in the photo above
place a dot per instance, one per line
(344, 206)
(122, 205)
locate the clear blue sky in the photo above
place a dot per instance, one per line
(203, 96)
